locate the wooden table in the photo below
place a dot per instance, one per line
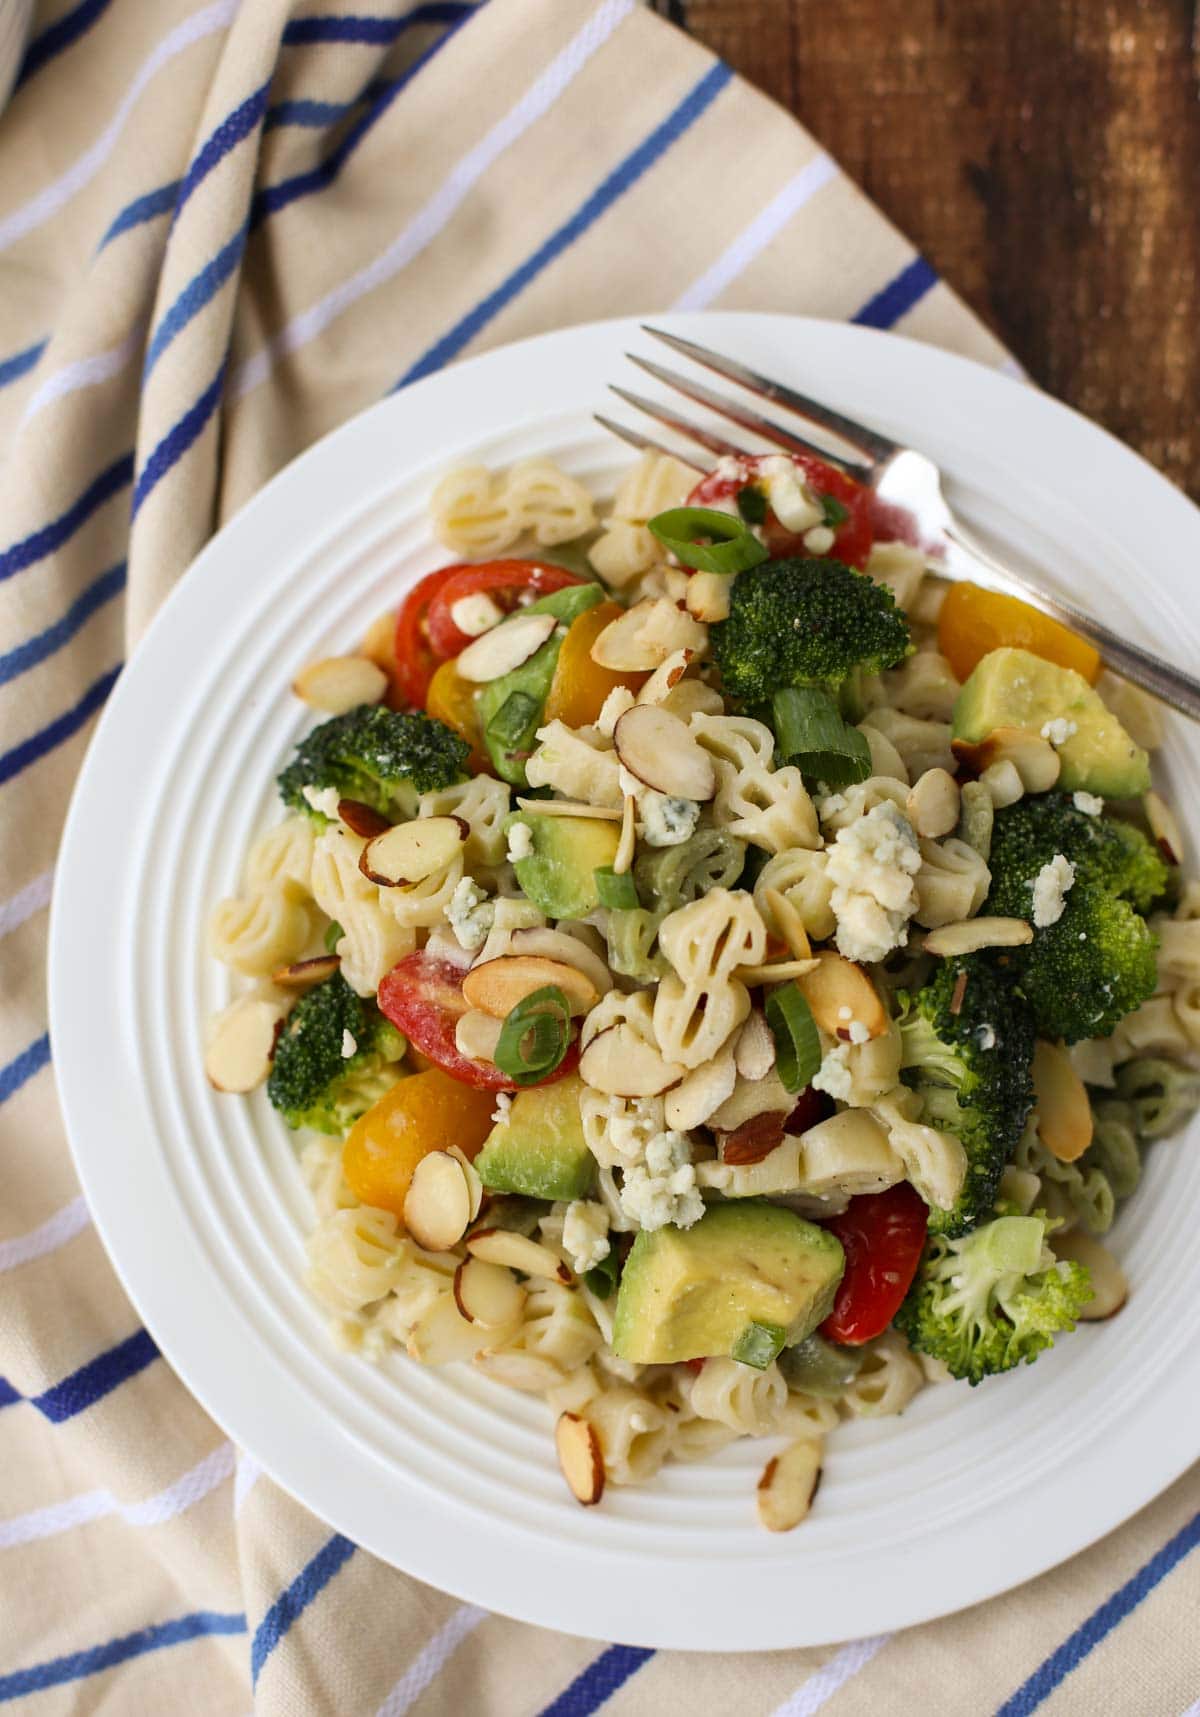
(1043, 154)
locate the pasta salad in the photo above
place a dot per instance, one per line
(722, 978)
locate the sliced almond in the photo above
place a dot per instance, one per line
(1110, 1285)
(702, 1093)
(362, 820)
(303, 974)
(788, 1485)
(1065, 1122)
(665, 677)
(437, 1207)
(379, 642)
(933, 804)
(835, 984)
(504, 648)
(773, 972)
(340, 683)
(242, 1046)
(707, 596)
(579, 1456)
(630, 644)
(517, 1252)
(621, 1064)
(1034, 758)
(788, 922)
(627, 844)
(442, 1336)
(476, 1035)
(1164, 826)
(569, 808)
(660, 750)
(754, 1055)
(754, 1139)
(971, 934)
(487, 1294)
(527, 1371)
(412, 851)
(474, 1184)
(498, 985)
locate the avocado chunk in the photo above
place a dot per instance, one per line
(529, 685)
(540, 1150)
(1014, 688)
(559, 872)
(691, 1293)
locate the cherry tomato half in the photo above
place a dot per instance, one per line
(422, 996)
(883, 1235)
(503, 580)
(415, 658)
(852, 538)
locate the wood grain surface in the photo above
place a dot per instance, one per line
(1043, 154)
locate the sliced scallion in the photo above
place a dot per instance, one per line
(618, 891)
(836, 512)
(758, 1345)
(810, 733)
(333, 936)
(797, 1042)
(515, 721)
(535, 1036)
(752, 504)
(707, 540)
(601, 1279)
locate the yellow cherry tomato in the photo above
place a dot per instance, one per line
(423, 1113)
(580, 686)
(974, 621)
(452, 700)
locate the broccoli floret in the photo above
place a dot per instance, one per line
(805, 623)
(375, 755)
(314, 1082)
(967, 1049)
(997, 1296)
(1084, 973)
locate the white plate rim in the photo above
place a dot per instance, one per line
(592, 1590)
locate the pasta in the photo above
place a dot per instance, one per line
(643, 1089)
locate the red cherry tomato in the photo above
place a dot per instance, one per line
(883, 1234)
(416, 659)
(852, 538)
(422, 996)
(503, 580)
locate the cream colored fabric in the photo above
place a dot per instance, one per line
(224, 229)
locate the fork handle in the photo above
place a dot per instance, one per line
(967, 558)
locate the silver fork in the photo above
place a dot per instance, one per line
(906, 480)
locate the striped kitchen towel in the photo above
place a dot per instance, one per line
(224, 229)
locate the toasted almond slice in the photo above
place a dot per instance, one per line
(527, 1371)
(970, 934)
(789, 923)
(474, 1184)
(660, 750)
(498, 985)
(1064, 1114)
(476, 1035)
(1034, 758)
(487, 1294)
(363, 820)
(559, 945)
(504, 648)
(1110, 1285)
(242, 1046)
(703, 1091)
(379, 642)
(437, 1207)
(836, 983)
(517, 1252)
(340, 683)
(707, 596)
(579, 1457)
(627, 844)
(933, 804)
(754, 1055)
(788, 1485)
(1164, 826)
(621, 1064)
(569, 808)
(772, 972)
(620, 645)
(412, 851)
(665, 677)
(442, 1336)
(302, 974)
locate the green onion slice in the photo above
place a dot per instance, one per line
(515, 720)
(602, 1277)
(333, 936)
(835, 511)
(535, 1036)
(810, 733)
(752, 504)
(758, 1345)
(619, 892)
(797, 1042)
(731, 545)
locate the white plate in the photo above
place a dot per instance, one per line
(200, 1203)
